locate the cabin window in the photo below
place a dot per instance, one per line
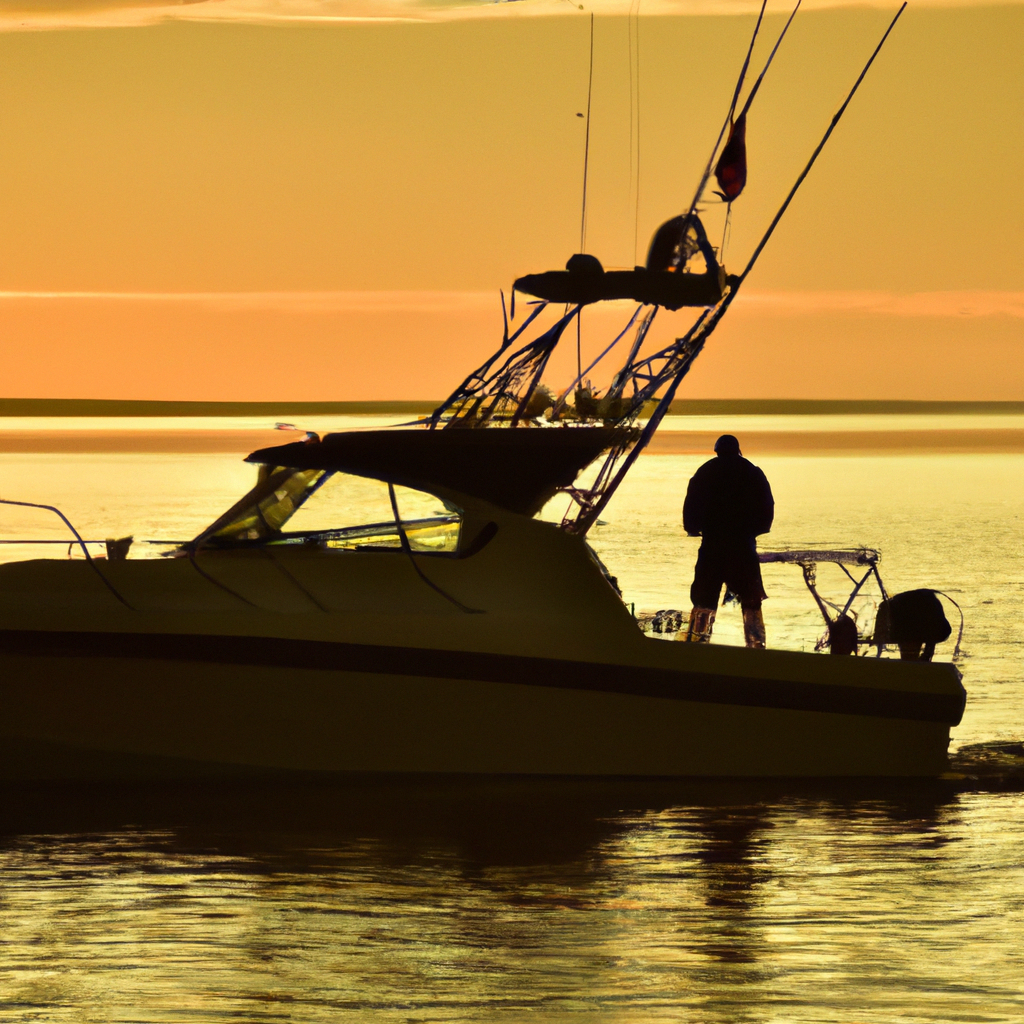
(261, 514)
(430, 524)
(337, 511)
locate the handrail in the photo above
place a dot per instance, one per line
(78, 537)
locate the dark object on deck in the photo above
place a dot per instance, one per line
(117, 550)
(518, 470)
(731, 169)
(915, 621)
(665, 620)
(663, 253)
(676, 242)
(842, 635)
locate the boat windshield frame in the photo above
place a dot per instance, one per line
(247, 524)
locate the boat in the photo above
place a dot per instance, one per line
(471, 639)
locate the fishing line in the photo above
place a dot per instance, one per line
(814, 156)
(629, 62)
(586, 145)
(960, 634)
(291, 576)
(579, 344)
(78, 539)
(407, 548)
(586, 168)
(636, 209)
(191, 554)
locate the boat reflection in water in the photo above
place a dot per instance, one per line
(445, 901)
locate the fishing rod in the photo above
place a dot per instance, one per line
(768, 62)
(728, 118)
(680, 356)
(814, 155)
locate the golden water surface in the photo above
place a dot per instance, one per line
(550, 901)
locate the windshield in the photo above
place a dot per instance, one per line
(334, 510)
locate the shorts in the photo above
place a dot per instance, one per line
(735, 566)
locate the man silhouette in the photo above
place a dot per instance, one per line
(728, 504)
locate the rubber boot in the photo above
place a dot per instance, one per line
(753, 628)
(699, 629)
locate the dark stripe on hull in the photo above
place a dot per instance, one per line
(633, 680)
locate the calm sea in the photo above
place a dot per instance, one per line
(551, 901)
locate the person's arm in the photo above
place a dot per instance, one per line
(693, 506)
(766, 510)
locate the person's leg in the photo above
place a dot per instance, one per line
(753, 628)
(704, 593)
(744, 578)
(698, 630)
(914, 650)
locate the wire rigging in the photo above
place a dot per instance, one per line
(586, 144)
(634, 119)
(403, 539)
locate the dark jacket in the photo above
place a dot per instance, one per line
(729, 500)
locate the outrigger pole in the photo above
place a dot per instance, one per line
(821, 145)
(706, 176)
(677, 358)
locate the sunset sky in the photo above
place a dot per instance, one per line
(259, 200)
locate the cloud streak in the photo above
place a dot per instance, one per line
(945, 305)
(283, 302)
(42, 15)
(948, 304)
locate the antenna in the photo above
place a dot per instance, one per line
(633, 23)
(586, 145)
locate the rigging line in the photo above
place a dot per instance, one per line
(732, 110)
(587, 520)
(695, 338)
(960, 635)
(476, 379)
(629, 46)
(768, 62)
(579, 342)
(622, 377)
(191, 553)
(586, 145)
(81, 543)
(579, 377)
(636, 207)
(407, 548)
(289, 575)
(817, 151)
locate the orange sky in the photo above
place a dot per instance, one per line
(325, 210)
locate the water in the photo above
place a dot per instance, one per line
(548, 901)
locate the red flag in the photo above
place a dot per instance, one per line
(731, 169)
